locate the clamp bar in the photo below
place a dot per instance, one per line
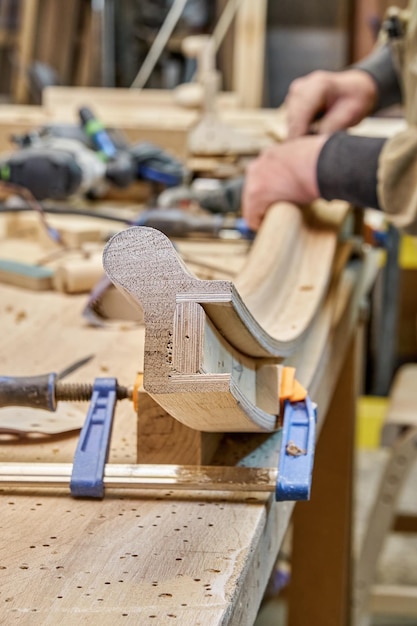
(296, 458)
(94, 441)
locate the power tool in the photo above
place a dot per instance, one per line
(213, 195)
(58, 161)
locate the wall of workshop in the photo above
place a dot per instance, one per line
(304, 36)
(318, 34)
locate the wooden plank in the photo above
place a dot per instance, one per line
(86, 65)
(56, 35)
(47, 27)
(140, 118)
(249, 52)
(27, 30)
(66, 98)
(157, 117)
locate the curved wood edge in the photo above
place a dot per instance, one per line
(289, 267)
(220, 392)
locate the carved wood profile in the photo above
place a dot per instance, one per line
(213, 348)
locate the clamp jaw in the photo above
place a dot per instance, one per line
(94, 441)
(296, 459)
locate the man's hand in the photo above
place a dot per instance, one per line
(331, 100)
(286, 171)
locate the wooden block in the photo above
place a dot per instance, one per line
(163, 439)
(402, 409)
(73, 233)
(78, 275)
(25, 275)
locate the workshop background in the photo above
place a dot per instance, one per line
(104, 43)
(109, 44)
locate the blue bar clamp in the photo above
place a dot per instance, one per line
(295, 466)
(93, 445)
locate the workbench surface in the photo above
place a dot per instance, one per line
(161, 558)
(129, 558)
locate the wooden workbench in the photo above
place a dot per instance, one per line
(167, 557)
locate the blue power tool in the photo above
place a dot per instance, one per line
(61, 160)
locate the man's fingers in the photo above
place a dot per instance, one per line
(339, 117)
(253, 208)
(306, 99)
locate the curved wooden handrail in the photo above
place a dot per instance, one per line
(212, 348)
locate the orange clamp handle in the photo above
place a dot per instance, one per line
(290, 388)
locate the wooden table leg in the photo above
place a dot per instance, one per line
(320, 587)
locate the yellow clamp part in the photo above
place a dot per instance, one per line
(290, 388)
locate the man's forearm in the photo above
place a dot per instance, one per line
(347, 169)
(381, 66)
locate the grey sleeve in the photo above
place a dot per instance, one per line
(380, 65)
(347, 169)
